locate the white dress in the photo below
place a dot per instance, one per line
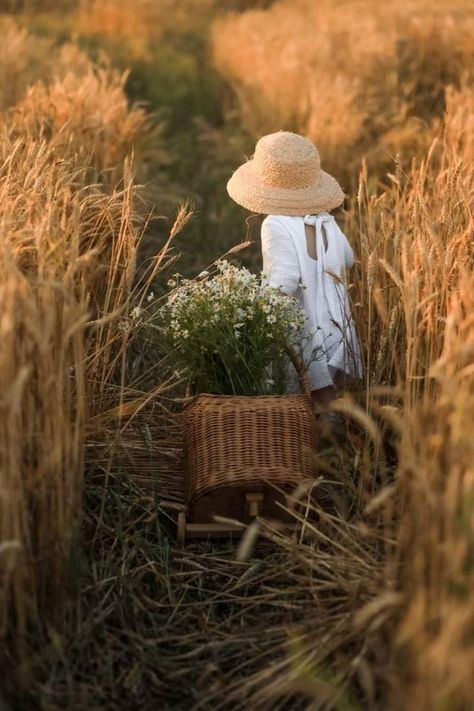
(330, 344)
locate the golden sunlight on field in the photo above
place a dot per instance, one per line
(358, 77)
(120, 119)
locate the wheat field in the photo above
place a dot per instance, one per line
(114, 116)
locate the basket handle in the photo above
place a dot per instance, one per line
(300, 370)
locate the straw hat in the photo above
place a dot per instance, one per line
(284, 177)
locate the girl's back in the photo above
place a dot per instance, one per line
(291, 245)
(307, 257)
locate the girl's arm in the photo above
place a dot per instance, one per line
(280, 260)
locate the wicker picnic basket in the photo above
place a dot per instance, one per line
(240, 451)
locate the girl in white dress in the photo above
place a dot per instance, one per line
(305, 253)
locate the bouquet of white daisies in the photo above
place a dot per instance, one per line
(229, 332)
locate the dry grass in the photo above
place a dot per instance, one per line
(42, 425)
(413, 302)
(140, 23)
(373, 604)
(434, 642)
(350, 75)
(414, 240)
(68, 275)
(160, 625)
(89, 118)
(26, 58)
(398, 81)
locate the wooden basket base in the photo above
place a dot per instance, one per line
(241, 502)
(187, 530)
(237, 503)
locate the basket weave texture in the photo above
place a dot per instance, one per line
(231, 440)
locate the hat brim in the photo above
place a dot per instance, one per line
(247, 190)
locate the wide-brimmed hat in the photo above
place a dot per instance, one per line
(284, 177)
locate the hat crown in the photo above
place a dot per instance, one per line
(287, 160)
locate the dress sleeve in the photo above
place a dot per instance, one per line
(279, 256)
